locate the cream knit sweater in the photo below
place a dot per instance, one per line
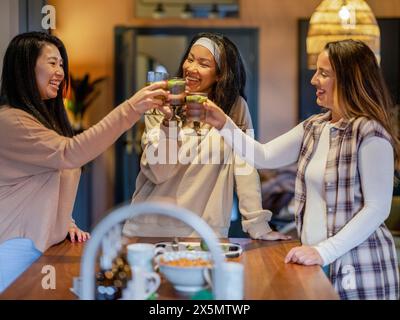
(205, 189)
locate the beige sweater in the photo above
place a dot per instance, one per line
(205, 189)
(40, 170)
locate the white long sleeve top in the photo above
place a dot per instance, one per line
(376, 180)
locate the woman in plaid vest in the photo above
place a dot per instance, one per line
(346, 158)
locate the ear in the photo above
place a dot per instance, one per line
(217, 77)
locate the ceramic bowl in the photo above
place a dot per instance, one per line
(186, 270)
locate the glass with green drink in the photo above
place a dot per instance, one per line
(176, 87)
(194, 102)
(154, 76)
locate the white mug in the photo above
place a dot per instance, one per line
(232, 280)
(142, 254)
(76, 286)
(142, 285)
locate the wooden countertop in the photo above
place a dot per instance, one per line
(266, 274)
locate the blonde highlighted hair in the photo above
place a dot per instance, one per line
(361, 88)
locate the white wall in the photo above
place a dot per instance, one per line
(8, 25)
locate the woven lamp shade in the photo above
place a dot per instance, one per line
(326, 25)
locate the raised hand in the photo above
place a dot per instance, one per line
(214, 115)
(149, 97)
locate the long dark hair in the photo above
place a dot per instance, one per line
(18, 81)
(232, 74)
(361, 88)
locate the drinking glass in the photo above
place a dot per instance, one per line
(154, 76)
(176, 87)
(194, 102)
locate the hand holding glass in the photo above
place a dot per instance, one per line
(154, 76)
(176, 86)
(195, 109)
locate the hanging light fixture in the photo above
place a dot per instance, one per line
(347, 16)
(335, 20)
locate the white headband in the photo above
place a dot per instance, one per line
(211, 46)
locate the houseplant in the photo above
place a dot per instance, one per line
(81, 95)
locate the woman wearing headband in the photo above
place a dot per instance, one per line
(211, 64)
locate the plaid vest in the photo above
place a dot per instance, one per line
(370, 270)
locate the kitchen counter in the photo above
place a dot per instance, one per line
(266, 274)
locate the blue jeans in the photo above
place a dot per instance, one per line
(16, 255)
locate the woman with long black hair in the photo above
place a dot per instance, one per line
(40, 159)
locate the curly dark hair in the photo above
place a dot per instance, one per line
(231, 71)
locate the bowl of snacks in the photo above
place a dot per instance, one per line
(186, 270)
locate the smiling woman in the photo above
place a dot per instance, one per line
(342, 198)
(200, 69)
(205, 184)
(49, 71)
(40, 159)
(324, 82)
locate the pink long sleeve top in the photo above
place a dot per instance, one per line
(40, 170)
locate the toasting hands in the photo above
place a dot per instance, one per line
(213, 114)
(149, 97)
